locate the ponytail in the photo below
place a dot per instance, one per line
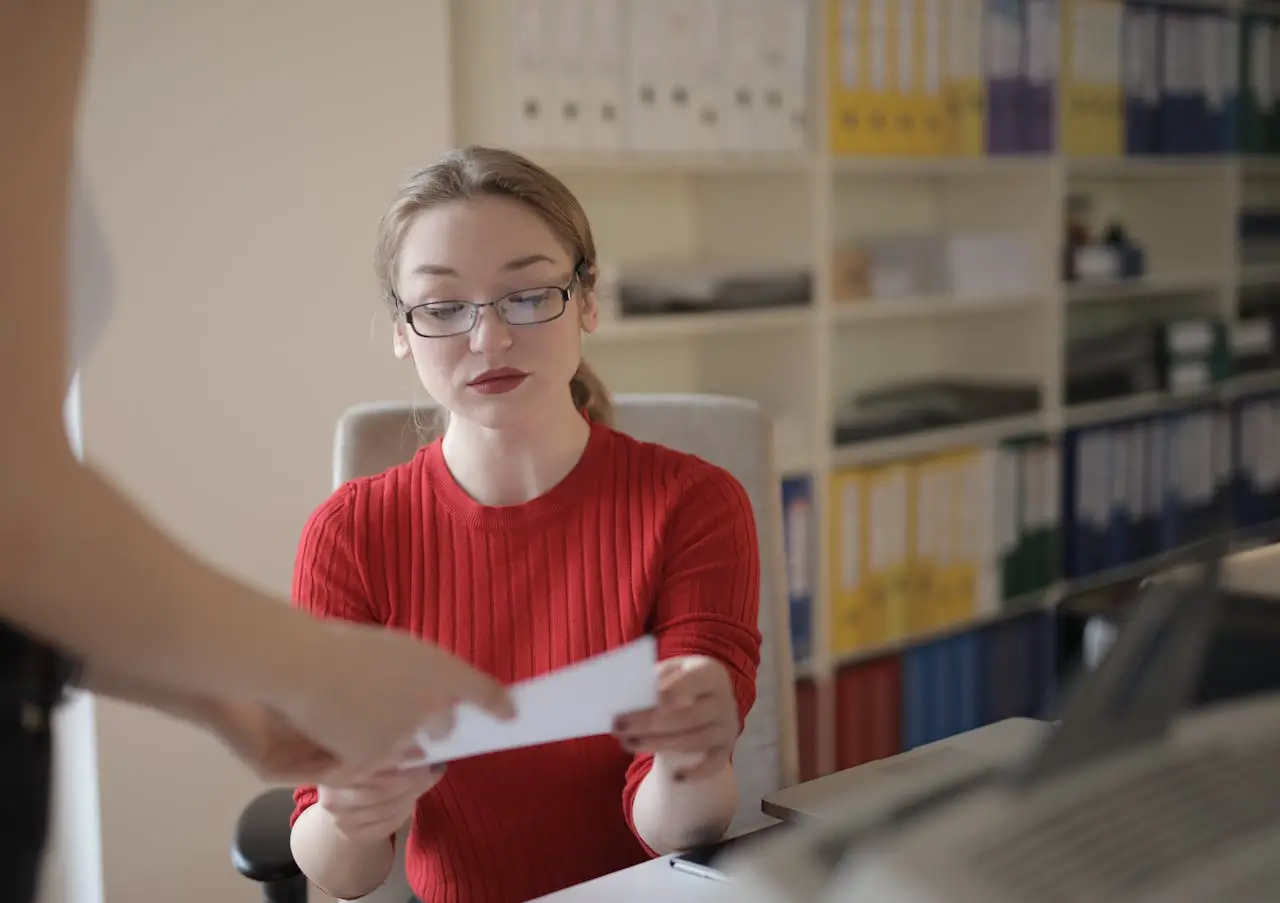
(590, 394)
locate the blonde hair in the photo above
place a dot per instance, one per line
(474, 172)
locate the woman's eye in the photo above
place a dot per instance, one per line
(444, 311)
(532, 299)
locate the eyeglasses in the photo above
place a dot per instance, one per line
(528, 307)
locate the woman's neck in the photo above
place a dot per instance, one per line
(510, 467)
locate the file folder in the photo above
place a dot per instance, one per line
(797, 512)
(1039, 114)
(964, 78)
(1142, 78)
(1005, 74)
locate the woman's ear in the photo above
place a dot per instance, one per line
(589, 309)
(400, 341)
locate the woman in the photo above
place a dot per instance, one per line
(86, 578)
(528, 536)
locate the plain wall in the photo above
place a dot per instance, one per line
(241, 153)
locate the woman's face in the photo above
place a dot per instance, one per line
(495, 375)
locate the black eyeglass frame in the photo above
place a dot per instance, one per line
(475, 308)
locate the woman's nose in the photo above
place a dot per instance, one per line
(490, 332)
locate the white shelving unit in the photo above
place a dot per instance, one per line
(796, 207)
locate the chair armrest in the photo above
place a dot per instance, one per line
(260, 850)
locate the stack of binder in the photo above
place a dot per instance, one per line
(889, 94)
(799, 544)
(1183, 79)
(1135, 77)
(1255, 456)
(699, 76)
(1092, 78)
(1139, 487)
(1259, 128)
(868, 711)
(947, 686)
(1029, 506)
(921, 546)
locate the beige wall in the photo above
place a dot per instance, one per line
(241, 152)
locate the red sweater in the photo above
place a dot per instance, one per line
(637, 539)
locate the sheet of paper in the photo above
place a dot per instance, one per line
(581, 700)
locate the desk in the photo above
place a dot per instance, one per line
(876, 784)
(884, 782)
(654, 881)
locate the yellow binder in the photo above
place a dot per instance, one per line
(847, 550)
(964, 86)
(858, 75)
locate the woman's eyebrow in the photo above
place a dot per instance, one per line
(520, 263)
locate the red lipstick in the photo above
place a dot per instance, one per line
(499, 381)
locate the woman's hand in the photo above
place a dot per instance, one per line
(695, 724)
(374, 808)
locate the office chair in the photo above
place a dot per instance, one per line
(732, 433)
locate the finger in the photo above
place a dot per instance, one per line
(695, 741)
(486, 692)
(670, 669)
(383, 815)
(344, 776)
(668, 719)
(424, 776)
(693, 680)
(371, 826)
(370, 794)
(439, 725)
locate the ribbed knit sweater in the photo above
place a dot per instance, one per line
(637, 539)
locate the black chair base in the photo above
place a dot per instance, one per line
(260, 850)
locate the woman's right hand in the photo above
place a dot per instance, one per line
(365, 691)
(374, 808)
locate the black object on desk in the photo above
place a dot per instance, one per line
(702, 861)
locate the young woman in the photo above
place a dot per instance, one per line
(85, 577)
(528, 536)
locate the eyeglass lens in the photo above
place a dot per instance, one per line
(528, 308)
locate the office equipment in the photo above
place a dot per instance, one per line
(1130, 797)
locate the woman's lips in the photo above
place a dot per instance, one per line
(498, 382)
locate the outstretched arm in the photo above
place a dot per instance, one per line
(80, 565)
(706, 625)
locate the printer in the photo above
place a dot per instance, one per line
(1133, 795)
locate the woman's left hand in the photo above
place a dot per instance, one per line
(695, 723)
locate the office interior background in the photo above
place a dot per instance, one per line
(1004, 272)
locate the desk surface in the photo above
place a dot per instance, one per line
(657, 882)
(879, 783)
(654, 881)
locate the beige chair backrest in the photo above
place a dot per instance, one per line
(732, 433)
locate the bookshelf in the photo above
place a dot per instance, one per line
(797, 186)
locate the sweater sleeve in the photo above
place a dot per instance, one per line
(709, 600)
(329, 581)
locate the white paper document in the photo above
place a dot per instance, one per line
(580, 700)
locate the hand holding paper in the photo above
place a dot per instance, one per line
(581, 700)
